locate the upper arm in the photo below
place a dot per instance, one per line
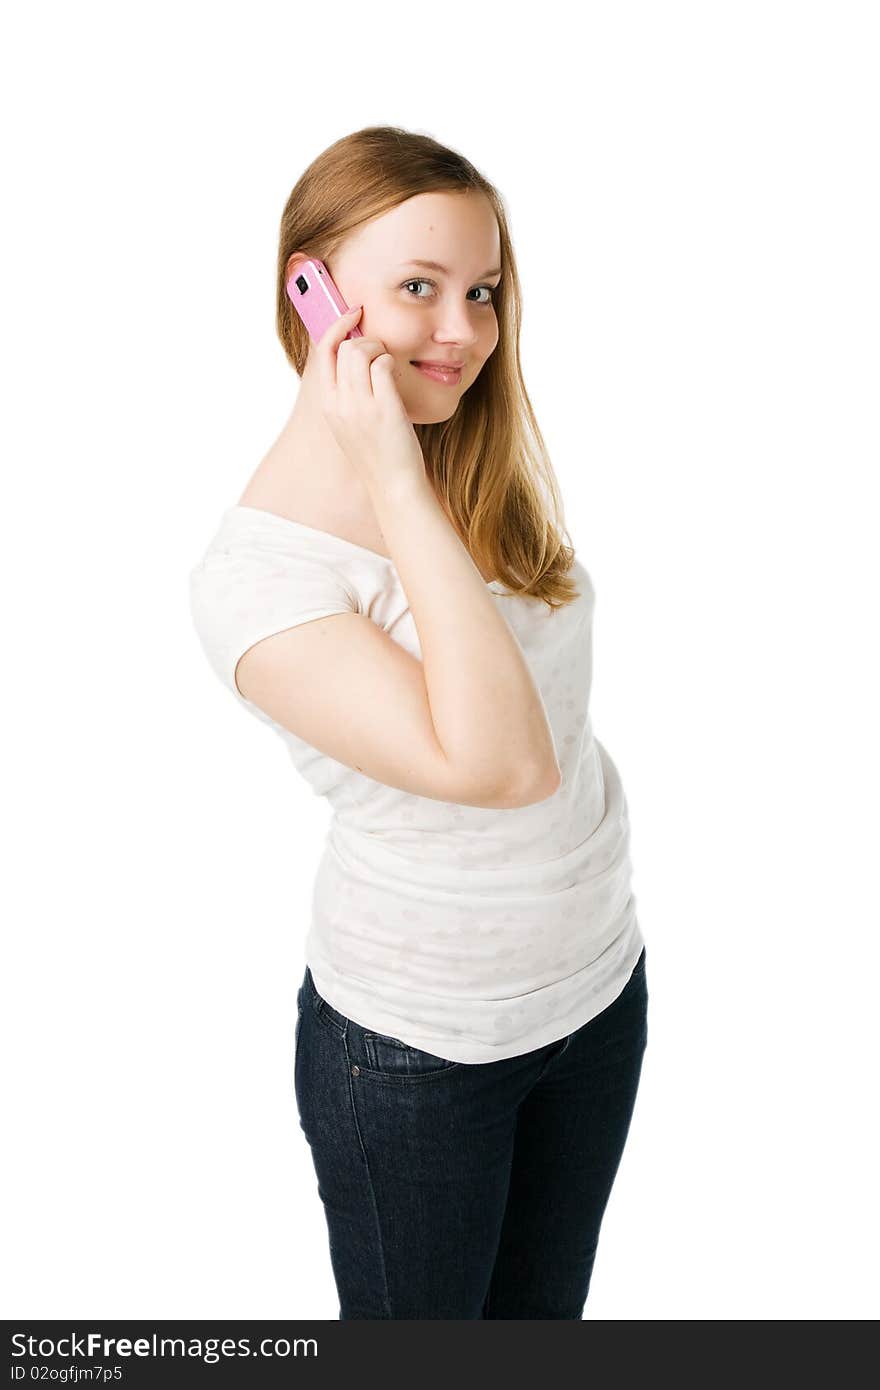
(349, 690)
(283, 630)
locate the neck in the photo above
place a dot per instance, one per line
(309, 445)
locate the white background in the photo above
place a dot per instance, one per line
(692, 190)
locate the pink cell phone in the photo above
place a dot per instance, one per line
(316, 299)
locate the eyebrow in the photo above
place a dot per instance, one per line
(434, 265)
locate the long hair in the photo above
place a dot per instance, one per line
(488, 463)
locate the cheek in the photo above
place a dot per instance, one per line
(391, 321)
(397, 332)
(488, 345)
(403, 333)
(492, 334)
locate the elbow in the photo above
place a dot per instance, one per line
(539, 787)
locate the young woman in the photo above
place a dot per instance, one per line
(391, 594)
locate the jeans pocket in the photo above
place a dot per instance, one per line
(387, 1056)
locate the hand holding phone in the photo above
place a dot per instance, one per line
(363, 407)
(359, 396)
(315, 297)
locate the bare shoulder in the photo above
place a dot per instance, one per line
(299, 496)
(307, 499)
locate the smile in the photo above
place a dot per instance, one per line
(441, 374)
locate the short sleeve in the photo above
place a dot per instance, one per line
(240, 594)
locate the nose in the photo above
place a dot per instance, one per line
(453, 325)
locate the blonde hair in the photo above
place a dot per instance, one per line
(488, 463)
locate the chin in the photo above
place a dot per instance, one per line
(422, 413)
(420, 416)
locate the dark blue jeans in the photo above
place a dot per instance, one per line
(455, 1190)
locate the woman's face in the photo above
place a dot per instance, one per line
(426, 314)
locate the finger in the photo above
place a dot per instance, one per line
(354, 360)
(382, 367)
(353, 367)
(384, 382)
(328, 345)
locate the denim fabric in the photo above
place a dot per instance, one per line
(466, 1191)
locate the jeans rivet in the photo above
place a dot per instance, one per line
(355, 1071)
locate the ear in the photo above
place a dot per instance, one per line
(296, 259)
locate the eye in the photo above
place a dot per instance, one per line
(492, 290)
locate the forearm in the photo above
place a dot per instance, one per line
(487, 712)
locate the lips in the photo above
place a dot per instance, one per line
(441, 376)
(441, 366)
